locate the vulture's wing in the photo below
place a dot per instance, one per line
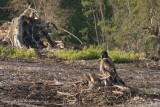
(109, 66)
(112, 70)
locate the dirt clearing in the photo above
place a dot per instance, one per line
(61, 83)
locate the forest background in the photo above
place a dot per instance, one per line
(128, 25)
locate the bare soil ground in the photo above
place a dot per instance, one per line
(49, 83)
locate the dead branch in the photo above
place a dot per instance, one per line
(122, 88)
(32, 11)
(64, 93)
(153, 26)
(72, 35)
(25, 11)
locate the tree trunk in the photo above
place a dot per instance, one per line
(30, 32)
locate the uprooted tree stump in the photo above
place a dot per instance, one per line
(30, 31)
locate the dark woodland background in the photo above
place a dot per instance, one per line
(129, 25)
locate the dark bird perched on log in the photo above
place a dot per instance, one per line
(107, 67)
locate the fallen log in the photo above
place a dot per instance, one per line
(30, 31)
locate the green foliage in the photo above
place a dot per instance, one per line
(17, 52)
(111, 23)
(85, 54)
(4, 12)
(150, 47)
(94, 53)
(25, 53)
(121, 56)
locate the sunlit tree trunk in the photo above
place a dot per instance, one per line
(102, 15)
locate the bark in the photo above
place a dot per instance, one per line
(30, 31)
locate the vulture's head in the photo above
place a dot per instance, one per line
(104, 54)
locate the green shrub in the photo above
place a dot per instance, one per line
(121, 56)
(25, 53)
(94, 53)
(17, 52)
(85, 54)
(7, 51)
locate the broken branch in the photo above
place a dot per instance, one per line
(72, 35)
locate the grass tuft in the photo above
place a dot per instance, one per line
(85, 54)
(122, 56)
(94, 53)
(17, 52)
